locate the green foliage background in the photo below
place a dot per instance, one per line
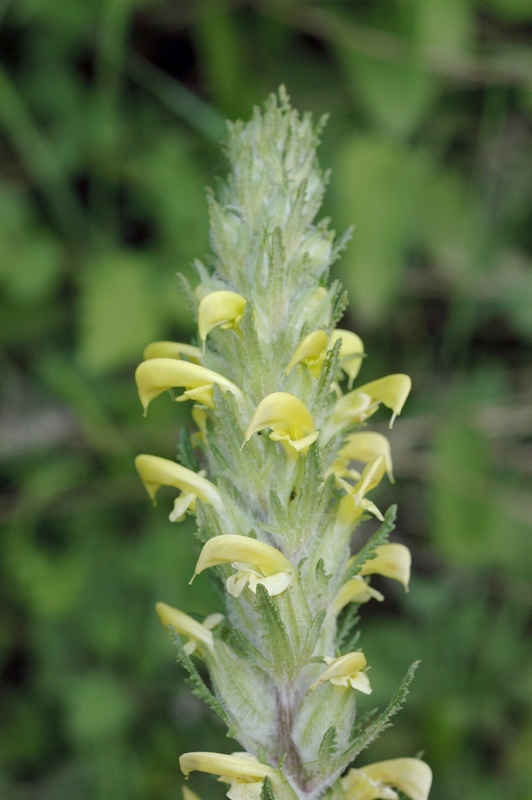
(110, 116)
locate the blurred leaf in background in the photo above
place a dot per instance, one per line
(110, 118)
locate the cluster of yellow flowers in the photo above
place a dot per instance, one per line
(277, 513)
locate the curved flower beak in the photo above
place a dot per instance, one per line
(411, 776)
(310, 351)
(351, 352)
(244, 772)
(361, 403)
(392, 561)
(156, 472)
(367, 446)
(159, 374)
(256, 563)
(196, 632)
(345, 671)
(172, 350)
(222, 309)
(355, 590)
(289, 420)
(353, 505)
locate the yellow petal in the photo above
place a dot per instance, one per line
(392, 561)
(183, 624)
(159, 374)
(311, 351)
(391, 390)
(288, 418)
(355, 590)
(181, 505)
(411, 776)
(357, 786)
(172, 350)
(274, 584)
(366, 446)
(351, 352)
(371, 476)
(229, 547)
(354, 407)
(345, 666)
(219, 308)
(156, 472)
(235, 766)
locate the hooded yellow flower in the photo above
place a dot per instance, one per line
(410, 775)
(355, 590)
(345, 671)
(354, 503)
(196, 632)
(351, 352)
(242, 771)
(159, 374)
(361, 403)
(256, 562)
(365, 446)
(311, 352)
(391, 560)
(222, 309)
(156, 472)
(289, 420)
(172, 350)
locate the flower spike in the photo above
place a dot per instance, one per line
(159, 374)
(289, 420)
(222, 309)
(411, 776)
(196, 632)
(345, 671)
(256, 563)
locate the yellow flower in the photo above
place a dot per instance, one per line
(361, 403)
(345, 671)
(354, 503)
(351, 352)
(242, 771)
(156, 472)
(172, 350)
(392, 561)
(196, 632)
(222, 309)
(366, 446)
(289, 420)
(310, 351)
(355, 590)
(256, 562)
(410, 775)
(159, 374)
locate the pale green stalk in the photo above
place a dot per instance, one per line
(285, 482)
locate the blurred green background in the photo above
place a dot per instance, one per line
(111, 112)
